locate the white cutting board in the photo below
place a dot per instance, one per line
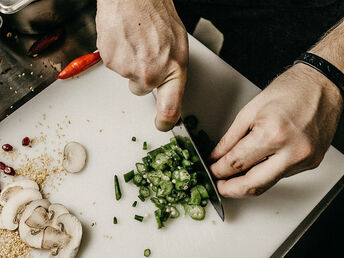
(253, 227)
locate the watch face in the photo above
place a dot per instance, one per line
(13, 6)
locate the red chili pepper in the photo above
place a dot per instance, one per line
(45, 42)
(78, 65)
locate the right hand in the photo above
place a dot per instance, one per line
(146, 42)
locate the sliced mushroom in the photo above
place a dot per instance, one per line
(54, 211)
(72, 227)
(74, 157)
(38, 219)
(54, 239)
(15, 204)
(32, 236)
(12, 188)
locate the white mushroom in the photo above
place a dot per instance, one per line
(15, 205)
(54, 239)
(12, 188)
(32, 236)
(71, 226)
(74, 157)
(54, 211)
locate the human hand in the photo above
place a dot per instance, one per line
(146, 42)
(291, 123)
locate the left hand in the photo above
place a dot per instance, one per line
(284, 130)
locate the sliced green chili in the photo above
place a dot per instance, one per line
(144, 147)
(117, 189)
(134, 204)
(138, 218)
(114, 220)
(171, 173)
(133, 139)
(147, 252)
(144, 191)
(138, 179)
(128, 176)
(141, 198)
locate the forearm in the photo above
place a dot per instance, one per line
(331, 46)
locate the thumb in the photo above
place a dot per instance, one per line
(169, 103)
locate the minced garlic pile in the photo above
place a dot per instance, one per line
(11, 246)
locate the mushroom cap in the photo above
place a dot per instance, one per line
(74, 157)
(73, 228)
(11, 208)
(33, 240)
(55, 210)
(13, 187)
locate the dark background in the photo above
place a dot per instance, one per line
(263, 38)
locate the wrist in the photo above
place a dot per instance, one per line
(316, 81)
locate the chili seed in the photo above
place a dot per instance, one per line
(7, 147)
(26, 141)
(9, 171)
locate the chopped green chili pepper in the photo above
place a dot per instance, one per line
(114, 220)
(174, 213)
(141, 198)
(203, 192)
(144, 191)
(133, 139)
(141, 168)
(195, 196)
(134, 204)
(138, 218)
(147, 252)
(171, 173)
(144, 147)
(128, 176)
(117, 189)
(204, 202)
(196, 212)
(138, 179)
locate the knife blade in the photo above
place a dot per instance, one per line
(206, 179)
(179, 130)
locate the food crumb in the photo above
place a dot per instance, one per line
(93, 224)
(108, 237)
(277, 212)
(94, 203)
(101, 130)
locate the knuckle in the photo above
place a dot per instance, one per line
(223, 192)
(169, 113)
(235, 163)
(214, 169)
(254, 191)
(277, 134)
(306, 153)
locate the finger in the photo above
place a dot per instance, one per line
(169, 103)
(237, 130)
(138, 88)
(247, 152)
(256, 181)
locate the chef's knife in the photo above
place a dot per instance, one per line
(205, 177)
